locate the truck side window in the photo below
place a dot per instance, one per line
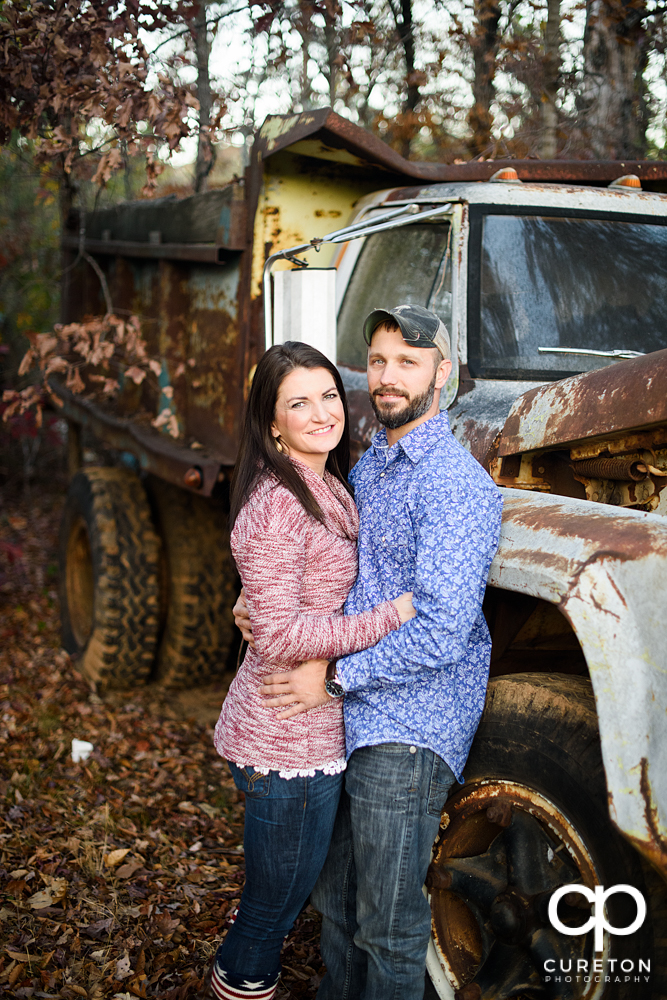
(563, 282)
(399, 265)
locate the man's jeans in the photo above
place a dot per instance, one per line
(376, 920)
(288, 827)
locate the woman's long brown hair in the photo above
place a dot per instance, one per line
(258, 454)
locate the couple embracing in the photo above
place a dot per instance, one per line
(354, 709)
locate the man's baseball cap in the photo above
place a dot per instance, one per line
(419, 326)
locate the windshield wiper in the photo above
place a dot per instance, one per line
(621, 355)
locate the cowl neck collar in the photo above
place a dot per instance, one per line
(338, 507)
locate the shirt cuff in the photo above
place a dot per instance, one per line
(352, 672)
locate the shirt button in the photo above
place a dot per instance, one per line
(413, 749)
(382, 475)
(384, 539)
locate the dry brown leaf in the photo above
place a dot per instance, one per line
(114, 858)
(55, 891)
(17, 956)
(128, 870)
(123, 967)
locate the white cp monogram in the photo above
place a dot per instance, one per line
(598, 895)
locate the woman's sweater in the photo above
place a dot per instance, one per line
(296, 573)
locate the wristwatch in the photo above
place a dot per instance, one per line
(332, 687)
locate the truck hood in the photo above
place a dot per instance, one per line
(623, 397)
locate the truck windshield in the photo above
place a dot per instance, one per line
(411, 264)
(556, 282)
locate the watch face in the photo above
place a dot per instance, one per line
(334, 689)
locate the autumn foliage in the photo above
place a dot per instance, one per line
(95, 357)
(72, 65)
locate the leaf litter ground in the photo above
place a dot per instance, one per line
(116, 873)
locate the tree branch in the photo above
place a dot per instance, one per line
(188, 30)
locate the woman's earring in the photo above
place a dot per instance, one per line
(279, 447)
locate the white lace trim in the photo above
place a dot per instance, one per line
(333, 767)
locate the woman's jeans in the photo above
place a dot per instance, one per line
(288, 827)
(376, 921)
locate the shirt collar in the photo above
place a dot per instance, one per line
(417, 442)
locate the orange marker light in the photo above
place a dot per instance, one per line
(627, 181)
(506, 174)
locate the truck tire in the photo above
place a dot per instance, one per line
(109, 570)
(533, 815)
(200, 586)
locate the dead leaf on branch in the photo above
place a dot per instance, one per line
(168, 420)
(136, 374)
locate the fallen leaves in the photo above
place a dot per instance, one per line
(115, 857)
(55, 892)
(114, 888)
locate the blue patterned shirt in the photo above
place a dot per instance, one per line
(429, 523)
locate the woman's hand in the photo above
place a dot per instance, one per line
(242, 618)
(404, 606)
(301, 688)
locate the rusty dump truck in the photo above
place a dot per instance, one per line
(552, 279)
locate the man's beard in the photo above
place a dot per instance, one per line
(416, 408)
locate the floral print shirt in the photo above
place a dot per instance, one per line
(429, 523)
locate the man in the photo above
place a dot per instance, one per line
(429, 523)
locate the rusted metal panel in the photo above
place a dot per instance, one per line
(155, 452)
(334, 138)
(627, 395)
(538, 196)
(189, 316)
(606, 569)
(478, 416)
(363, 424)
(203, 252)
(195, 219)
(300, 199)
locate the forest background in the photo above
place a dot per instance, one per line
(109, 100)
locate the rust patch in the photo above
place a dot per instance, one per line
(611, 537)
(478, 437)
(656, 851)
(630, 394)
(363, 425)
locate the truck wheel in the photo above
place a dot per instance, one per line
(109, 566)
(532, 816)
(200, 586)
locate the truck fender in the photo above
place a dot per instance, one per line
(606, 569)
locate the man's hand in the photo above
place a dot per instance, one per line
(301, 688)
(242, 619)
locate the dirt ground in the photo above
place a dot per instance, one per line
(116, 873)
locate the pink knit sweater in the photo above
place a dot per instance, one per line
(296, 573)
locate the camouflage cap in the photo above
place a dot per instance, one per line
(419, 326)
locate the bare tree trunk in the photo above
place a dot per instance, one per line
(405, 28)
(332, 12)
(484, 44)
(612, 102)
(548, 140)
(205, 151)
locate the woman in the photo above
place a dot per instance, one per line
(294, 540)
